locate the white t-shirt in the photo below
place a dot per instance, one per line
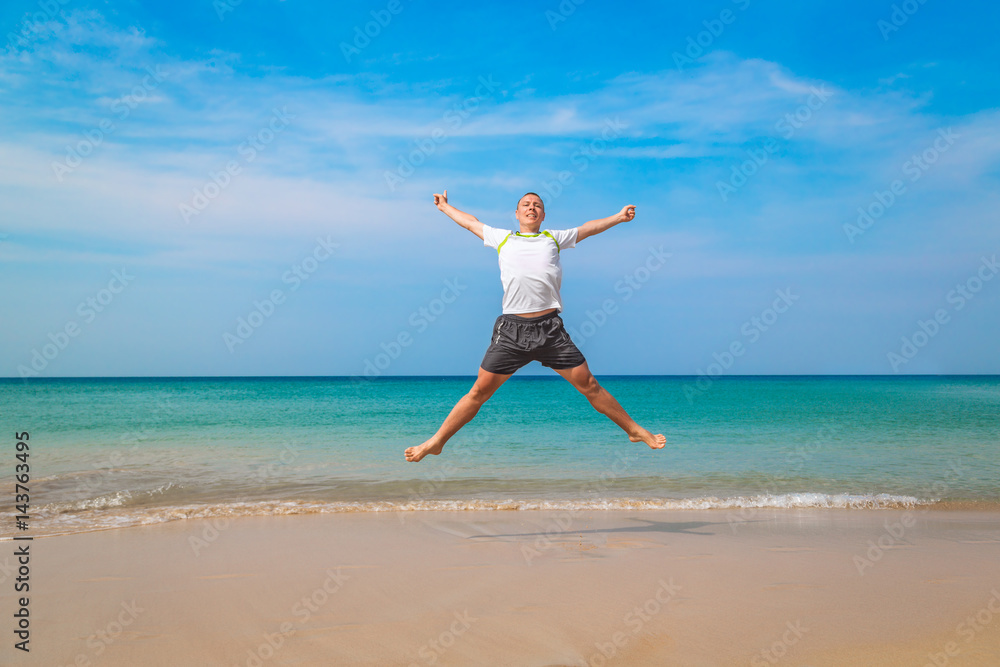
(529, 267)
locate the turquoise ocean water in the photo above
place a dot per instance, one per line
(109, 453)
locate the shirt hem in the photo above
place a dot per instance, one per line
(531, 310)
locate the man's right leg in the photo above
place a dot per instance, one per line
(460, 415)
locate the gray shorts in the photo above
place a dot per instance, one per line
(520, 340)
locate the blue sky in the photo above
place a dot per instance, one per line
(169, 170)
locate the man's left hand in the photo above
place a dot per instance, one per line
(626, 214)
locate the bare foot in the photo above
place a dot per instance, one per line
(657, 441)
(414, 454)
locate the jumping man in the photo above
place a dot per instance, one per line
(530, 328)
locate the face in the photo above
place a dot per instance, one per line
(530, 211)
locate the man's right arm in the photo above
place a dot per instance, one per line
(464, 219)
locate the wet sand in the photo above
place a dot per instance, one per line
(762, 587)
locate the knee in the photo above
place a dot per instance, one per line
(589, 387)
(479, 395)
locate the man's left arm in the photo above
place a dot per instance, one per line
(604, 224)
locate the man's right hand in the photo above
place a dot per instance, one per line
(441, 200)
(470, 222)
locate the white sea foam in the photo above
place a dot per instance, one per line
(108, 511)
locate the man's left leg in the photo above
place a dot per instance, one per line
(585, 382)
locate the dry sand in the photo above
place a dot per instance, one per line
(767, 587)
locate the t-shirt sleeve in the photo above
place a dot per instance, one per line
(492, 236)
(566, 238)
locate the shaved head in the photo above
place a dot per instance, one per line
(531, 194)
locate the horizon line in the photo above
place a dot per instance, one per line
(525, 375)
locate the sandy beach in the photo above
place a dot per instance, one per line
(764, 587)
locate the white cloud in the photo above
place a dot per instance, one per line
(326, 170)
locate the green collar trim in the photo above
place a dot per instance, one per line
(502, 242)
(544, 232)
